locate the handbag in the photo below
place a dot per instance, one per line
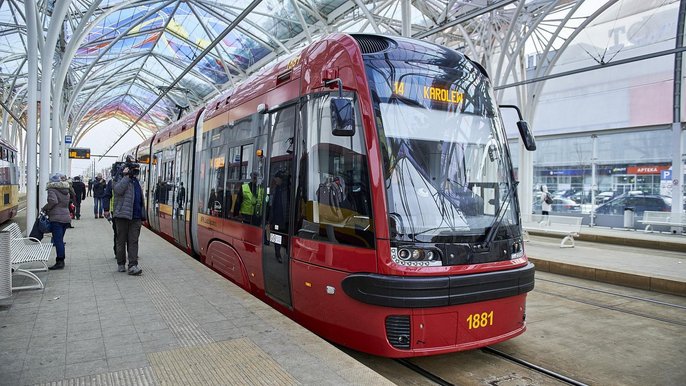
(44, 223)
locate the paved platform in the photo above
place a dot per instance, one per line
(179, 323)
(650, 261)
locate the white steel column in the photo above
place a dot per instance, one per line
(594, 181)
(406, 12)
(47, 54)
(32, 52)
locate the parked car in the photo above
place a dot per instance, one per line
(559, 205)
(639, 202)
(604, 197)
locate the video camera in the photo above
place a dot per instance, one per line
(118, 167)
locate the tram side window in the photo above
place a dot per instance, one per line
(333, 184)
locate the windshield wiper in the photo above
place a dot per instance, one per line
(498, 216)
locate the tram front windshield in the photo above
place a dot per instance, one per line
(447, 171)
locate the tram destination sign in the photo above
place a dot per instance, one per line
(79, 153)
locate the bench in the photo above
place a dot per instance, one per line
(25, 250)
(662, 218)
(567, 226)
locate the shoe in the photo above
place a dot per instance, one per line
(122, 268)
(101, 216)
(59, 264)
(96, 217)
(134, 270)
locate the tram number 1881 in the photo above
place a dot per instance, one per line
(483, 319)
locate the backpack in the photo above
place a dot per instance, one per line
(548, 200)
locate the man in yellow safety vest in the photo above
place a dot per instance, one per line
(249, 200)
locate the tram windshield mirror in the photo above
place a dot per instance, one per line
(342, 117)
(527, 136)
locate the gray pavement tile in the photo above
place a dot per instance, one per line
(121, 339)
(92, 318)
(14, 344)
(51, 340)
(42, 374)
(220, 336)
(85, 350)
(118, 350)
(158, 345)
(48, 357)
(131, 361)
(112, 330)
(10, 378)
(147, 326)
(81, 369)
(18, 319)
(11, 361)
(15, 330)
(48, 327)
(84, 334)
(156, 335)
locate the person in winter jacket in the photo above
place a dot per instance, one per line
(80, 194)
(98, 196)
(129, 212)
(57, 209)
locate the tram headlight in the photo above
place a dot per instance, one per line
(415, 257)
(517, 250)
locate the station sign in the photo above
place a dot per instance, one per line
(79, 153)
(68, 139)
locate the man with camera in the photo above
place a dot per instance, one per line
(129, 212)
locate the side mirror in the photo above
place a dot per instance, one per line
(524, 131)
(342, 117)
(527, 136)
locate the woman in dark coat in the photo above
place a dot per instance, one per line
(57, 210)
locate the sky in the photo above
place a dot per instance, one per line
(99, 139)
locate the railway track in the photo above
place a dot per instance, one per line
(617, 308)
(497, 353)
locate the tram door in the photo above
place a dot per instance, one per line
(154, 209)
(181, 192)
(277, 218)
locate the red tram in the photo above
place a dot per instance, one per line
(363, 187)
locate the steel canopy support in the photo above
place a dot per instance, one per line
(31, 142)
(195, 61)
(406, 12)
(677, 129)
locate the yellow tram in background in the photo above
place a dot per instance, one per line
(9, 181)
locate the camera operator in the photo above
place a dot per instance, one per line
(129, 211)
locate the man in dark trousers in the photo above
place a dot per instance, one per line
(248, 199)
(98, 196)
(80, 194)
(90, 187)
(129, 212)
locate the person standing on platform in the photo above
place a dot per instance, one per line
(57, 209)
(80, 195)
(90, 187)
(98, 196)
(109, 211)
(546, 203)
(129, 212)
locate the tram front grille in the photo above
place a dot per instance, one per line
(398, 331)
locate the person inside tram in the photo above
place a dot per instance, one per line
(277, 216)
(161, 191)
(248, 199)
(180, 199)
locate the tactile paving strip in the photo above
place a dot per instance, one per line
(233, 362)
(130, 377)
(187, 331)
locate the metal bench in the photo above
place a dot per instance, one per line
(25, 250)
(662, 218)
(567, 226)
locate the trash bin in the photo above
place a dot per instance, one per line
(628, 217)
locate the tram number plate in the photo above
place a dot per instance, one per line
(480, 320)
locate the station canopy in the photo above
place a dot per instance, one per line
(145, 62)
